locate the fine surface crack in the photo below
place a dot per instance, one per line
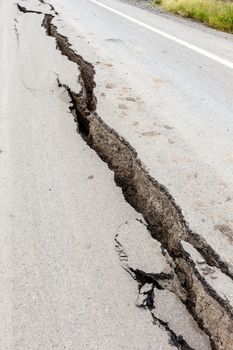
(16, 30)
(24, 10)
(51, 6)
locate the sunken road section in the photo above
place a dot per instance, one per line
(163, 217)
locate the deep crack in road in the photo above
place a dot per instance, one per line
(164, 219)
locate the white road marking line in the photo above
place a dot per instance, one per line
(195, 48)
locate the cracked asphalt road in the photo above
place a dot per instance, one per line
(171, 103)
(62, 286)
(62, 213)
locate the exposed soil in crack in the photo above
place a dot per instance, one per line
(164, 218)
(152, 200)
(85, 104)
(86, 99)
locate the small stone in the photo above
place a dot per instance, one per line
(109, 86)
(121, 106)
(131, 99)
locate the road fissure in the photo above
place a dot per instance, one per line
(164, 218)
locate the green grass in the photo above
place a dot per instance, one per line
(215, 13)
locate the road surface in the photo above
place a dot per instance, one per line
(181, 122)
(163, 84)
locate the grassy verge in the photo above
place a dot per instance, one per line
(215, 13)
